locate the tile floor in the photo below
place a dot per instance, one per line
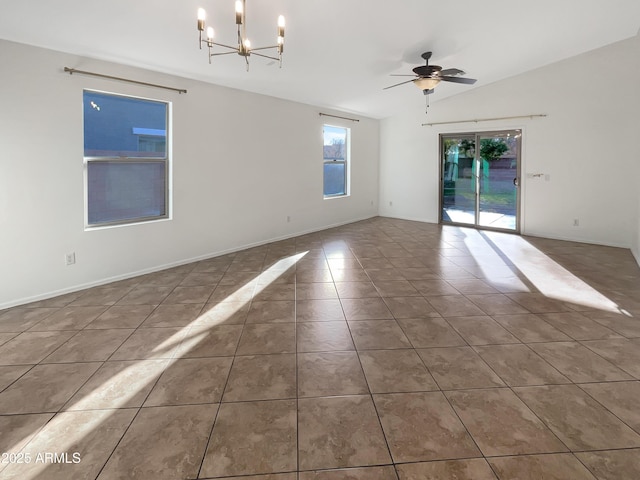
(379, 350)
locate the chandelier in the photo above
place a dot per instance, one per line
(244, 47)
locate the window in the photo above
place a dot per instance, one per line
(126, 157)
(336, 161)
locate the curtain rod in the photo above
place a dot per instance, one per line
(336, 116)
(93, 74)
(486, 119)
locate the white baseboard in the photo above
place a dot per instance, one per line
(565, 238)
(411, 219)
(125, 276)
(636, 255)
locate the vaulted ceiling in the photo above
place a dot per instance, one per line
(338, 53)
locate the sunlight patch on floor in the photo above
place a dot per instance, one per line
(188, 336)
(549, 277)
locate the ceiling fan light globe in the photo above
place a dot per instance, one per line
(426, 83)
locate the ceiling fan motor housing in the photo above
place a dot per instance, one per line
(427, 70)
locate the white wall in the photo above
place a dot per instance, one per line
(635, 221)
(242, 163)
(587, 145)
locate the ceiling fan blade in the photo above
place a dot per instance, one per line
(452, 71)
(397, 84)
(466, 81)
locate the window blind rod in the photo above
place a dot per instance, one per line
(71, 71)
(336, 116)
(485, 119)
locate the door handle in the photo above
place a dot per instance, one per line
(516, 182)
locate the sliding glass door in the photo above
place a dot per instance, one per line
(480, 175)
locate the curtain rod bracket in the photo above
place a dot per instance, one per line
(71, 71)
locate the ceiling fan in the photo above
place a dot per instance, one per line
(426, 77)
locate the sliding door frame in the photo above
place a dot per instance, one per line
(477, 135)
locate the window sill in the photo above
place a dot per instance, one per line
(333, 197)
(91, 228)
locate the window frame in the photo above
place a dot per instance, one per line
(112, 159)
(346, 162)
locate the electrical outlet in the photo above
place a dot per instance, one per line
(70, 258)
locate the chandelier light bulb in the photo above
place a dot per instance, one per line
(210, 33)
(239, 12)
(247, 43)
(201, 17)
(281, 26)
